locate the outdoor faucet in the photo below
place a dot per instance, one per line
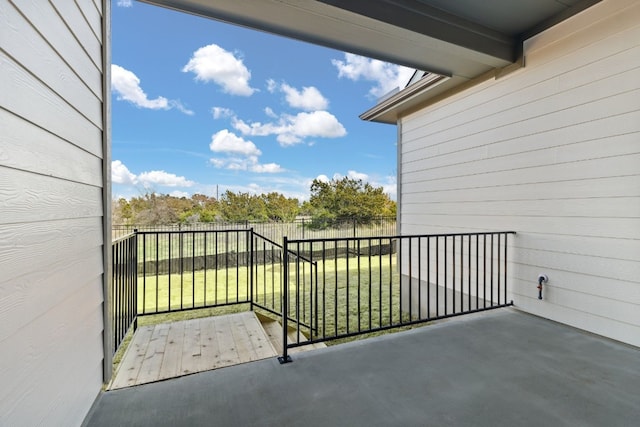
(542, 278)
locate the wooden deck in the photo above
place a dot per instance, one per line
(169, 350)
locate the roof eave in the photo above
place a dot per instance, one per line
(387, 110)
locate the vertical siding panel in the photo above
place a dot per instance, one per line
(551, 151)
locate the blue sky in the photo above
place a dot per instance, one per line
(199, 105)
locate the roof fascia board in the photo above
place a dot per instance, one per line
(432, 22)
(428, 82)
(434, 55)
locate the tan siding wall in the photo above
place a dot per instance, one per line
(551, 151)
(51, 199)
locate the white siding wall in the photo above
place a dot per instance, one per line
(51, 208)
(551, 151)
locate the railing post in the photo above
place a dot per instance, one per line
(135, 280)
(251, 261)
(285, 358)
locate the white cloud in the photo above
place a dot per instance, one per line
(221, 112)
(357, 175)
(243, 155)
(272, 85)
(292, 130)
(323, 178)
(250, 164)
(228, 142)
(214, 64)
(178, 106)
(127, 86)
(164, 179)
(389, 186)
(120, 174)
(386, 76)
(267, 168)
(125, 3)
(308, 99)
(269, 112)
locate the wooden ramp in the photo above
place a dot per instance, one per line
(169, 350)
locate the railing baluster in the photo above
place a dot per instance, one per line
(437, 275)
(419, 278)
(428, 277)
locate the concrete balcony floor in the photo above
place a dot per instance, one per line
(499, 368)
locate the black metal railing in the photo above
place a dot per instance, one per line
(124, 287)
(186, 270)
(363, 285)
(266, 274)
(320, 289)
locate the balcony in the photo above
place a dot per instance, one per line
(478, 362)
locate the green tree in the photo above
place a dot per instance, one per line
(279, 208)
(154, 209)
(121, 212)
(242, 207)
(344, 198)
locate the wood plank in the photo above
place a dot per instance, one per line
(273, 330)
(180, 348)
(209, 345)
(192, 351)
(150, 369)
(172, 359)
(258, 338)
(131, 362)
(241, 340)
(228, 355)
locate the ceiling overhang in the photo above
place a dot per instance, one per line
(460, 39)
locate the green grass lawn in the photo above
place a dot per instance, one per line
(351, 294)
(346, 287)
